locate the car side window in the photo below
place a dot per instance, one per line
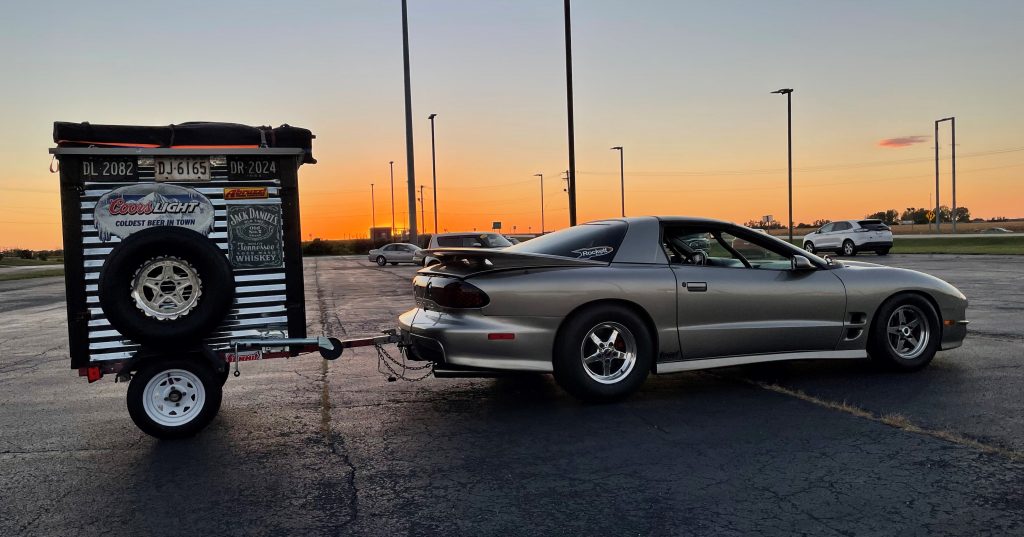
(826, 228)
(842, 226)
(719, 248)
(449, 242)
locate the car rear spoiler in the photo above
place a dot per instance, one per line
(466, 262)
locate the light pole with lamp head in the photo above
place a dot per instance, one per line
(433, 165)
(788, 92)
(541, 175)
(392, 164)
(622, 177)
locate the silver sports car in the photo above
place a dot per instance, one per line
(602, 305)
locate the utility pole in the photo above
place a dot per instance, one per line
(409, 152)
(952, 216)
(572, 136)
(373, 217)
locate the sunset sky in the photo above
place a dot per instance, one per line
(683, 86)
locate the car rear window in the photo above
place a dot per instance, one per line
(597, 241)
(873, 225)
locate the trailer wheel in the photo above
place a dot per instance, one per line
(166, 285)
(174, 398)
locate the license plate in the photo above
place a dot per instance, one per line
(184, 169)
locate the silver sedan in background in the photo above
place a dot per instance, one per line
(394, 253)
(604, 304)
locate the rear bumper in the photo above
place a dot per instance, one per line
(462, 339)
(875, 245)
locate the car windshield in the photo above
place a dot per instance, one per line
(597, 241)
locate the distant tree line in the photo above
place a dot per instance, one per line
(919, 215)
(23, 253)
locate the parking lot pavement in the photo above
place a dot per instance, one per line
(311, 447)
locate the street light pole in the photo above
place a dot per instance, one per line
(373, 217)
(541, 175)
(423, 214)
(572, 136)
(952, 216)
(410, 165)
(622, 177)
(433, 166)
(392, 164)
(788, 92)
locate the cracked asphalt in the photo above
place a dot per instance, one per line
(308, 447)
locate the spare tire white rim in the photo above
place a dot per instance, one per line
(166, 288)
(174, 397)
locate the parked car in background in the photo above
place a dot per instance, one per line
(394, 253)
(847, 237)
(491, 241)
(995, 230)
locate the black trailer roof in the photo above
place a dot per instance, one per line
(185, 136)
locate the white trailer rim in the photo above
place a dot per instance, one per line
(174, 397)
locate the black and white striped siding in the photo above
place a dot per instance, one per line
(259, 293)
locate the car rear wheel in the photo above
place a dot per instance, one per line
(809, 246)
(848, 248)
(381, 260)
(882, 251)
(603, 354)
(905, 333)
(174, 398)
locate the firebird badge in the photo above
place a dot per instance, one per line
(596, 251)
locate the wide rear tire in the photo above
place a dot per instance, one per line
(603, 353)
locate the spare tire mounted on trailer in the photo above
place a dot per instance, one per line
(166, 285)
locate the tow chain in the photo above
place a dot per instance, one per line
(383, 357)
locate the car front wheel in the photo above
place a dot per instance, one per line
(905, 333)
(603, 354)
(381, 260)
(809, 246)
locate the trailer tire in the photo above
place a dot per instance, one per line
(174, 398)
(166, 285)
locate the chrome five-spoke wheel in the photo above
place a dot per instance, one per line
(609, 352)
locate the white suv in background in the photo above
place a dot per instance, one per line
(847, 237)
(491, 241)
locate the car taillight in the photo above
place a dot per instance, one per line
(458, 295)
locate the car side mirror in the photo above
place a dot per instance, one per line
(802, 263)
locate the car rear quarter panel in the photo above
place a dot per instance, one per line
(555, 293)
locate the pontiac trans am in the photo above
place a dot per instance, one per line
(603, 304)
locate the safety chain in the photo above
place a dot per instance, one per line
(383, 357)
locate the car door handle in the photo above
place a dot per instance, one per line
(696, 287)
